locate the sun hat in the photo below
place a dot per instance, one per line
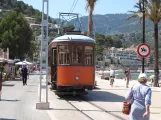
(142, 75)
(142, 78)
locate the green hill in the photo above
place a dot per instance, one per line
(26, 9)
(114, 24)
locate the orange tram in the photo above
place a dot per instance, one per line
(71, 64)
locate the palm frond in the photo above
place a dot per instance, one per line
(135, 15)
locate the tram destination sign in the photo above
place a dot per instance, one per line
(143, 50)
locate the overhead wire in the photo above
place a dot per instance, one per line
(72, 6)
(72, 9)
(76, 1)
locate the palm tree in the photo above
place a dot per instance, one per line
(153, 13)
(90, 8)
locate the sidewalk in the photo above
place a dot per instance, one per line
(119, 89)
(19, 102)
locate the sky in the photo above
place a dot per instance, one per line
(102, 6)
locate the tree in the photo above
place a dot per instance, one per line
(153, 13)
(90, 8)
(69, 28)
(33, 52)
(15, 34)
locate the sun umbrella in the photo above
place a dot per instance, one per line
(28, 63)
(21, 63)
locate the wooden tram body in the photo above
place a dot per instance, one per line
(71, 64)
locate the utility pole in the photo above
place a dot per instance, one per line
(44, 56)
(143, 59)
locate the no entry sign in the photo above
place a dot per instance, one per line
(143, 50)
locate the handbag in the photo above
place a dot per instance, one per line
(126, 107)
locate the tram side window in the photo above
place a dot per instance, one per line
(77, 55)
(64, 55)
(89, 55)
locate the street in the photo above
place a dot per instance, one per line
(104, 103)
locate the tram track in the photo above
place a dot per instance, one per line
(108, 112)
(81, 98)
(79, 110)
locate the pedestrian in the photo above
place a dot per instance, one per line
(24, 75)
(140, 94)
(112, 76)
(1, 80)
(127, 77)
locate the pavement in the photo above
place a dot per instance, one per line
(19, 102)
(120, 90)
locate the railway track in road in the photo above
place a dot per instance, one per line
(88, 116)
(80, 110)
(108, 112)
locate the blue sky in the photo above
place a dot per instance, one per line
(102, 6)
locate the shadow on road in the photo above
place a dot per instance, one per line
(6, 119)
(16, 79)
(104, 96)
(9, 101)
(8, 85)
(100, 96)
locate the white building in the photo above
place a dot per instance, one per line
(125, 57)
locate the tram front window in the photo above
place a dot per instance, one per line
(64, 58)
(77, 55)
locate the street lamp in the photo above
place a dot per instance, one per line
(143, 10)
(44, 44)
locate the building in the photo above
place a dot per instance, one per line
(122, 57)
(30, 20)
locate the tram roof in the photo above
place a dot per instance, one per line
(76, 38)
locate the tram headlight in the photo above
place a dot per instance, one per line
(76, 77)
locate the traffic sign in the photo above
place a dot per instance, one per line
(143, 50)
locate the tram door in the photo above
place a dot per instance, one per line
(54, 66)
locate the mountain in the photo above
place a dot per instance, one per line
(114, 24)
(129, 32)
